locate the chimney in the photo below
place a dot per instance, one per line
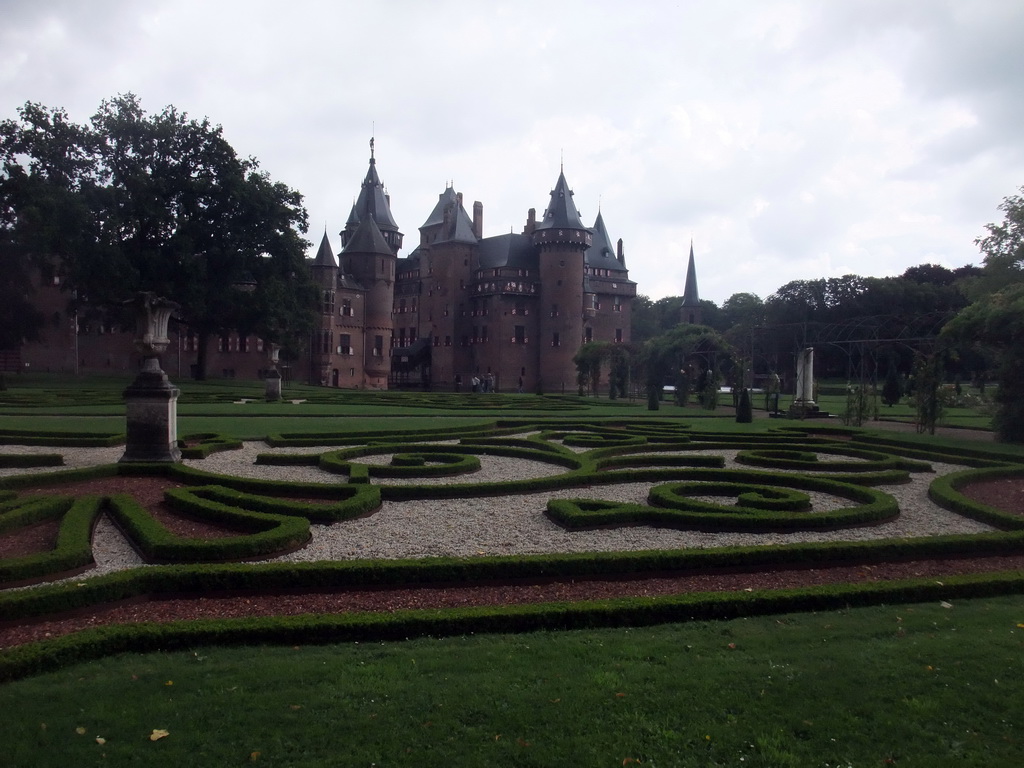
(458, 196)
(618, 252)
(478, 220)
(531, 222)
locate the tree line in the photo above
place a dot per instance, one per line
(930, 325)
(132, 201)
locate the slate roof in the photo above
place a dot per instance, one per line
(325, 254)
(509, 250)
(561, 212)
(460, 227)
(372, 202)
(601, 254)
(446, 198)
(368, 239)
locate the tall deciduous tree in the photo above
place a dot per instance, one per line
(996, 318)
(172, 209)
(44, 162)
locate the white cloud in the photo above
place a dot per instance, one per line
(790, 139)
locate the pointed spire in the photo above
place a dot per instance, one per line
(325, 255)
(372, 202)
(561, 212)
(690, 295)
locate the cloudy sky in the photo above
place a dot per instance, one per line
(790, 139)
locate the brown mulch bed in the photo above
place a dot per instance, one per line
(1002, 494)
(30, 540)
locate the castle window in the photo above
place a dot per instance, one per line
(555, 340)
(324, 341)
(447, 341)
(618, 335)
(554, 310)
(345, 345)
(259, 344)
(327, 307)
(243, 343)
(520, 335)
(483, 333)
(617, 304)
(588, 335)
(437, 341)
(401, 305)
(346, 307)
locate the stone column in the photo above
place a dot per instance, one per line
(151, 401)
(805, 377)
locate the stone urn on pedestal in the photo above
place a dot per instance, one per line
(273, 380)
(151, 401)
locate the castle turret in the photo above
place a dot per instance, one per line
(325, 273)
(561, 240)
(373, 202)
(368, 258)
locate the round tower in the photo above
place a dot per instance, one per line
(561, 240)
(325, 273)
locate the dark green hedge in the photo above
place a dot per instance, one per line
(269, 534)
(64, 439)
(356, 501)
(19, 460)
(946, 492)
(399, 625)
(208, 442)
(72, 551)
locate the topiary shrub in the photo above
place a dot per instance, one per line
(744, 411)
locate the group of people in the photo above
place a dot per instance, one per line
(485, 384)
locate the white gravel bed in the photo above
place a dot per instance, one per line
(517, 525)
(73, 458)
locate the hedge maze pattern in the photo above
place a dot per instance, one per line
(789, 480)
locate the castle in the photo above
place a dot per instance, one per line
(509, 311)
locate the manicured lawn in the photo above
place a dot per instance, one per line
(922, 685)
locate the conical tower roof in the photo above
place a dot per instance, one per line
(325, 254)
(561, 212)
(368, 239)
(372, 203)
(601, 254)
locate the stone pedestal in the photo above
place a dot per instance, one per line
(151, 411)
(273, 378)
(273, 388)
(151, 401)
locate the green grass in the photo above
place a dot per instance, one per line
(920, 685)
